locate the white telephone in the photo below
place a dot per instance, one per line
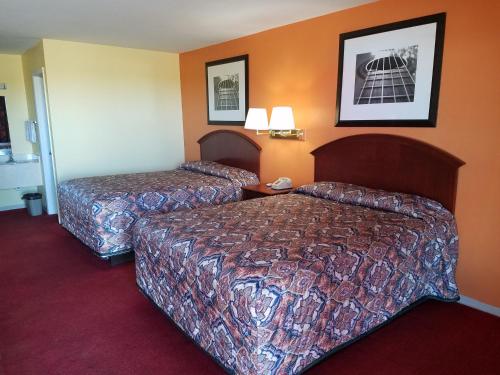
(281, 183)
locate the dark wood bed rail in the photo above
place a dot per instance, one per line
(391, 163)
(231, 148)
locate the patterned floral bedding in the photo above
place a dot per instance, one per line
(101, 211)
(270, 285)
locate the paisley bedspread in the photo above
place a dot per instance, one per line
(270, 285)
(101, 211)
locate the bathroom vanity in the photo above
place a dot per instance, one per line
(20, 170)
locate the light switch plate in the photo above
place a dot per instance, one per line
(3, 86)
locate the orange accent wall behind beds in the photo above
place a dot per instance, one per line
(297, 65)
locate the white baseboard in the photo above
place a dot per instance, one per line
(467, 301)
(12, 207)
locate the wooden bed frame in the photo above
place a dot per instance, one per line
(392, 163)
(231, 148)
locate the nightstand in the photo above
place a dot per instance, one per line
(259, 191)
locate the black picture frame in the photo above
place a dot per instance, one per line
(233, 66)
(419, 108)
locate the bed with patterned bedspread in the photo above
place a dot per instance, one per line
(271, 285)
(101, 211)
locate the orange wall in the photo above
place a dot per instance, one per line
(297, 65)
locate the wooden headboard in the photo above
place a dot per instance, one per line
(391, 163)
(231, 148)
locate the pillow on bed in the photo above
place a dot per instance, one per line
(406, 204)
(239, 176)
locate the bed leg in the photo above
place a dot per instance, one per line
(120, 259)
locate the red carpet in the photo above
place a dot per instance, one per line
(63, 311)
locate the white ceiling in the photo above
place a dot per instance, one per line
(166, 25)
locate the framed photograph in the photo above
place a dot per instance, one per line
(227, 91)
(389, 75)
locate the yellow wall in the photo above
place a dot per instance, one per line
(33, 61)
(11, 73)
(113, 110)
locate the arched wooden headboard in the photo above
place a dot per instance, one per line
(231, 148)
(391, 163)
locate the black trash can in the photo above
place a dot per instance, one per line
(33, 203)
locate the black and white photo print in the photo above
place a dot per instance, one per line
(386, 76)
(226, 93)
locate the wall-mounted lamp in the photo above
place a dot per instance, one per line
(282, 124)
(257, 120)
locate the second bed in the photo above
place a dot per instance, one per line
(101, 211)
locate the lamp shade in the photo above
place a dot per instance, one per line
(256, 119)
(282, 119)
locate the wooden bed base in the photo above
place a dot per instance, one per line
(391, 163)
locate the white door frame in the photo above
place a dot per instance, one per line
(45, 142)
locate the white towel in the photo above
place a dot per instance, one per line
(30, 127)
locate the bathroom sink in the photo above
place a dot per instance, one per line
(24, 171)
(19, 158)
(25, 158)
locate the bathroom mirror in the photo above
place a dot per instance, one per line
(4, 125)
